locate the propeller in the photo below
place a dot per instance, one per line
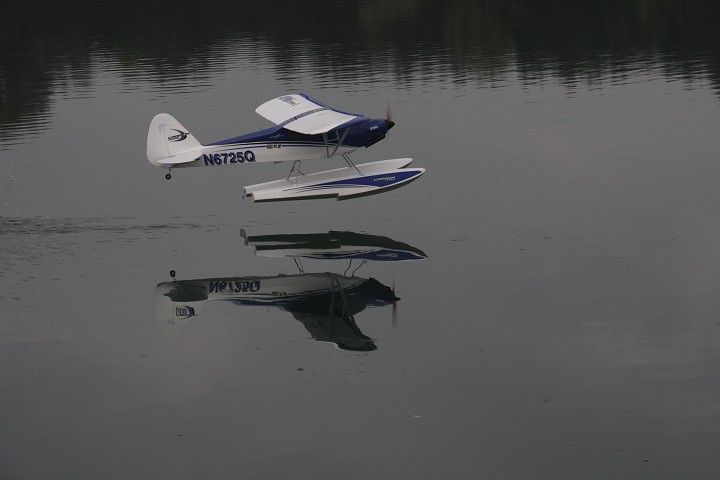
(388, 117)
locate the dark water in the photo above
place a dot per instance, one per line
(562, 323)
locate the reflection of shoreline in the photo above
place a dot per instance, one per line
(325, 303)
(508, 40)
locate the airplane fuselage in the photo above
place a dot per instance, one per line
(278, 144)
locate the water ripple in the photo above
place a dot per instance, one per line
(30, 238)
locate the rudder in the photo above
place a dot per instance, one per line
(170, 143)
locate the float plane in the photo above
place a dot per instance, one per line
(305, 129)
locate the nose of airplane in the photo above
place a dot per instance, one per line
(375, 132)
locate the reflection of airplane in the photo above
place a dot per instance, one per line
(332, 246)
(305, 130)
(324, 302)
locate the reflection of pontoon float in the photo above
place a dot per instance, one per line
(332, 245)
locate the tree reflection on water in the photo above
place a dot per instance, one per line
(45, 48)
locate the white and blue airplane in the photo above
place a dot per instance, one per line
(305, 129)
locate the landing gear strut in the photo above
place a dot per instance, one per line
(350, 162)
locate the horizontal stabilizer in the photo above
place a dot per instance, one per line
(180, 158)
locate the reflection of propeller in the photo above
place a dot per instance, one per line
(394, 307)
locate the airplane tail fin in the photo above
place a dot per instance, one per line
(176, 306)
(169, 143)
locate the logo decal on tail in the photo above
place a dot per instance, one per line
(179, 137)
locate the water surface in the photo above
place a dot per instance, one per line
(564, 323)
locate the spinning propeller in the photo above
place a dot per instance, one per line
(388, 117)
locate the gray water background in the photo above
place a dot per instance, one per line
(565, 325)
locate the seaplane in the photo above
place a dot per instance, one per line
(305, 129)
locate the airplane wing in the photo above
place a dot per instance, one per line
(303, 114)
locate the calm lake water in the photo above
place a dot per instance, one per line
(561, 318)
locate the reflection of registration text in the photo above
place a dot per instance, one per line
(234, 287)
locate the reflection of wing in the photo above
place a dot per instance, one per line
(304, 115)
(338, 329)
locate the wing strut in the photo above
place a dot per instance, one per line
(339, 139)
